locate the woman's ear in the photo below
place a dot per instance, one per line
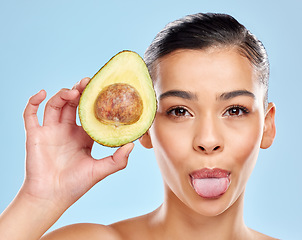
(145, 140)
(269, 131)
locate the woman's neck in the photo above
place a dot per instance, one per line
(175, 220)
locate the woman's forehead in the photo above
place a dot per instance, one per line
(216, 67)
(197, 71)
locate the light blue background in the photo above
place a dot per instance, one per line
(53, 44)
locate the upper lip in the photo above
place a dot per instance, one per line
(210, 173)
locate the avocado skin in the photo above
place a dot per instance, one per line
(125, 67)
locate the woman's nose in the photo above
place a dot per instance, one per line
(208, 137)
(209, 149)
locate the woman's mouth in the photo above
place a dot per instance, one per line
(210, 183)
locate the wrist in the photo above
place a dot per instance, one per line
(28, 217)
(39, 203)
(44, 195)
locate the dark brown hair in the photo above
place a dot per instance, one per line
(201, 31)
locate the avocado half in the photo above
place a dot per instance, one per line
(119, 103)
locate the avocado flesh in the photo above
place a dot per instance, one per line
(126, 68)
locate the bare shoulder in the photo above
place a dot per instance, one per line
(83, 231)
(135, 228)
(261, 236)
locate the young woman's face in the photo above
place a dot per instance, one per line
(208, 128)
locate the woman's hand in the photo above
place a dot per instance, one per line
(59, 166)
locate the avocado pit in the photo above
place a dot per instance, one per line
(118, 104)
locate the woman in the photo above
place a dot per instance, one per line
(211, 78)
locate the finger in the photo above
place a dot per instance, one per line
(114, 163)
(31, 109)
(54, 106)
(80, 86)
(70, 109)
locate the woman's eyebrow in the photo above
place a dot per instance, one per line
(178, 93)
(228, 95)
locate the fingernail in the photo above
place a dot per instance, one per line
(129, 149)
(75, 86)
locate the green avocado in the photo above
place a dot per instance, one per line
(119, 103)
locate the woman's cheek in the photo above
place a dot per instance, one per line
(246, 146)
(170, 140)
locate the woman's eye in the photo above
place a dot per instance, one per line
(236, 111)
(178, 112)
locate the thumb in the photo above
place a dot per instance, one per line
(111, 164)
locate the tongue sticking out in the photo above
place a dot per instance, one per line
(210, 187)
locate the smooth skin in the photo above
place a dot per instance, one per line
(210, 114)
